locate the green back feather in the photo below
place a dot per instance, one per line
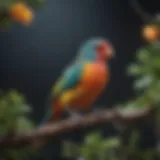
(69, 79)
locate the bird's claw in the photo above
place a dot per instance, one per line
(76, 116)
(73, 114)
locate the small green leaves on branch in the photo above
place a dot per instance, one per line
(13, 111)
(13, 120)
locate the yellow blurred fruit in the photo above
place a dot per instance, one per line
(151, 33)
(22, 13)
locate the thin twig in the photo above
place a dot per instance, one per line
(145, 16)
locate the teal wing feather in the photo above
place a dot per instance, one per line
(69, 79)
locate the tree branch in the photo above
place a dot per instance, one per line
(51, 130)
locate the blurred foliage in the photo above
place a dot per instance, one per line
(6, 20)
(13, 119)
(36, 4)
(95, 147)
(16, 154)
(146, 71)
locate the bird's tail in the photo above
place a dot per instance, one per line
(54, 113)
(46, 117)
(57, 112)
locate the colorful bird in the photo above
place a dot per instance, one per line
(83, 81)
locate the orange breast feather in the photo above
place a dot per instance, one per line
(94, 79)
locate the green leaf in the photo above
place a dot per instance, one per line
(134, 139)
(13, 110)
(36, 3)
(149, 154)
(5, 4)
(23, 124)
(144, 82)
(143, 55)
(93, 139)
(135, 70)
(112, 142)
(70, 149)
(5, 21)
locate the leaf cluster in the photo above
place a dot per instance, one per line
(13, 119)
(147, 73)
(95, 147)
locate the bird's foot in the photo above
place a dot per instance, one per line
(73, 114)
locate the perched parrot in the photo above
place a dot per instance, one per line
(82, 81)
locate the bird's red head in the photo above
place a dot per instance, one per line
(104, 51)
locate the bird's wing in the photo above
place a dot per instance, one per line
(69, 79)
